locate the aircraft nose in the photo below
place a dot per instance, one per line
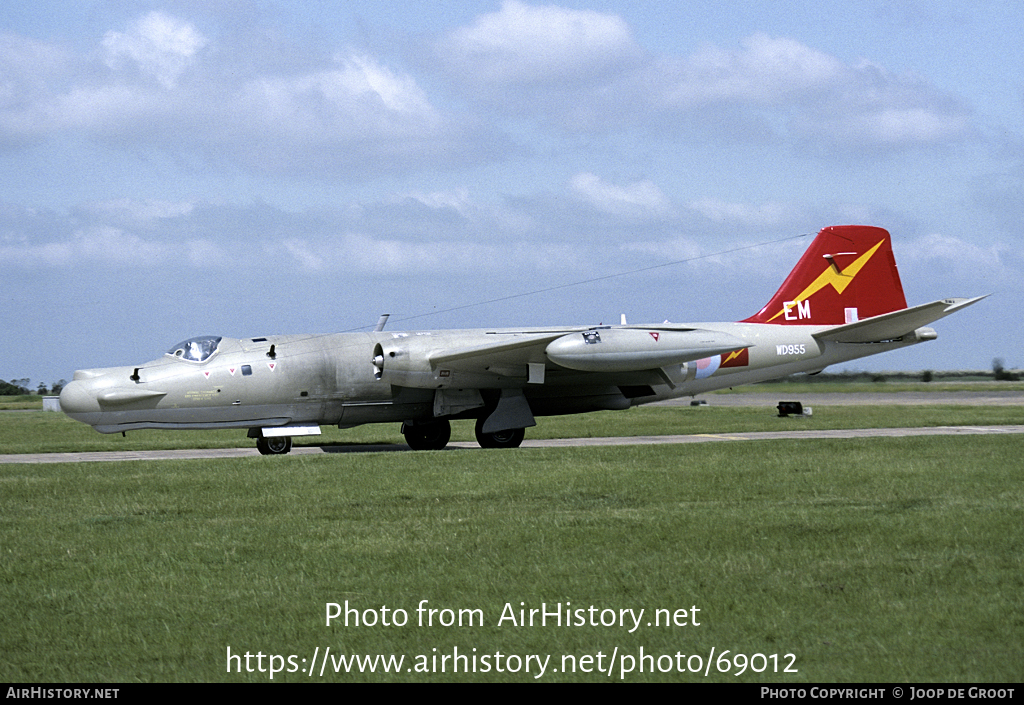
(77, 398)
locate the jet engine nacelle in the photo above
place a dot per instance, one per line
(405, 362)
(625, 349)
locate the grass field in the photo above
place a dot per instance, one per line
(20, 402)
(800, 384)
(877, 560)
(37, 431)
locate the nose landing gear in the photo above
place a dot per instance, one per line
(427, 436)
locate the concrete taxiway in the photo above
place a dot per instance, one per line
(992, 397)
(754, 399)
(210, 454)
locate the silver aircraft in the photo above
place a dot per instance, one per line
(842, 301)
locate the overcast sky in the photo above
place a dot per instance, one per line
(239, 168)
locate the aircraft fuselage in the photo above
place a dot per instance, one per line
(332, 379)
(842, 301)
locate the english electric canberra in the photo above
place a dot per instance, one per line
(842, 301)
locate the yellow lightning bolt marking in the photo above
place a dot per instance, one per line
(732, 356)
(838, 280)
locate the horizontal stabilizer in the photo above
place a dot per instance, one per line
(896, 324)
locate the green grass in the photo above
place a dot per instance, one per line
(802, 384)
(47, 432)
(20, 402)
(875, 560)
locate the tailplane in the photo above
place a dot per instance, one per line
(846, 275)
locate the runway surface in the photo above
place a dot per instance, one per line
(992, 397)
(755, 399)
(549, 443)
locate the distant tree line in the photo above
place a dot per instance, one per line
(1001, 373)
(21, 387)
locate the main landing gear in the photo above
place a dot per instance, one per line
(278, 445)
(430, 435)
(434, 435)
(511, 438)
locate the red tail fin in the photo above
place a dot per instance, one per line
(847, 274)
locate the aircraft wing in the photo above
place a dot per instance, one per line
(527, 347)
(890, 326)
(521, 344)
(597, 349)
(424, 361)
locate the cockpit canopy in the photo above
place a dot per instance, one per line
(196, 349)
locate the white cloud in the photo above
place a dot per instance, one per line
(205, 254)
(362, 75)
(27, 69)
(160, 45)
(360, 99)
(816, 96)
(548, 66)
(143, 210)
(896, 126)
(641, 198)
(457, 200)
(353, 114)
(301, 251)
(524, 44)
(105, 109)
(582, 71)
(746, 215)
(765, 71)
(937, 249)
(98, 245)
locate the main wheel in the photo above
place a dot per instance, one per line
(433, 435)
(511, 438)
(278, 445)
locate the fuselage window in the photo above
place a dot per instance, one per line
(246, 370)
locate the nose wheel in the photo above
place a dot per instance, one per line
(433, 435)
(279, 445)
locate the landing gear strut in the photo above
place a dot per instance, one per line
(433, 435)
(510, 438)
